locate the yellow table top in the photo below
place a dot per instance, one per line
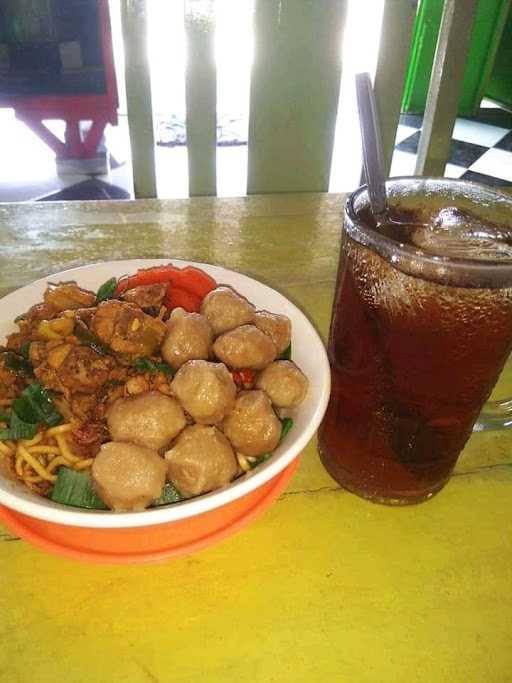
(324, 586)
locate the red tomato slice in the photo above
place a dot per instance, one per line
(194, 280)
(190, 279)
(181, 298)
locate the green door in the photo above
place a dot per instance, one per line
(489, 24)
(499, 87)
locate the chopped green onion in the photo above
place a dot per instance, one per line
(287, 353)
(169, 494)
(75, 488)
(18, 364)
(25, 349)
(87, 338)
(287, 423)
(143, 364)
(35, 405)
(5, 417)
(107, 290)
(18, 429)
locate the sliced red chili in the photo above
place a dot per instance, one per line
(244, 378)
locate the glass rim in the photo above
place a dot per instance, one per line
(442, 268)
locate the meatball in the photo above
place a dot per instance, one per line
(278, 328)
(245, 347)
(201, 460)
(189, 336)
(128, 477)
(150, 419)
(252, 426)
(284, 383)
(206, 390)
(225, 309)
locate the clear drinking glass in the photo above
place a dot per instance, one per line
(420, 331)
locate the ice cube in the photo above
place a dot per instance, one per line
(460, 234)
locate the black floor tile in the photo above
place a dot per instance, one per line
(492, 116)
(461, 153)
(505, 142)
(87, 189)
(413, 120)
(486, 179)
(410, 144)
(465, 153)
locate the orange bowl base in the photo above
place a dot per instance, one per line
(149, 543)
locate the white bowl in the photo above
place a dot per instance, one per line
(307, 351)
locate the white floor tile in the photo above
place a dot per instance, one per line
(494, 162)
(453, 171)
(489, 104)
(477, 133)
(403, 132)
(403, 163)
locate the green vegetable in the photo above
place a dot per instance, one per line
(25, 349)
(287, 423)
(169, 495)
(258, 461)
(86, 337)
(19, 317)
(34, 405)
(18, 364)
(287, 353)
(75, 488)
(147, 365)
(107, 290)
(18, 429)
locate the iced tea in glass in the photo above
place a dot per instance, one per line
(420, 331)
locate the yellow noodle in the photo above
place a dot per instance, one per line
(36, 460)
(35, 464)
(19, 466)
(5, 449)
(47, 450)
(32, 442)
(65, 450)
(83, 464)
(56, 462)
(60, 429)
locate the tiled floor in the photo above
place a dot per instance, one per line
(481, 147)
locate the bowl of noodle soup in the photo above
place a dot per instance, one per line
(159, 532)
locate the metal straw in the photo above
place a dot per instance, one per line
(372, 146)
